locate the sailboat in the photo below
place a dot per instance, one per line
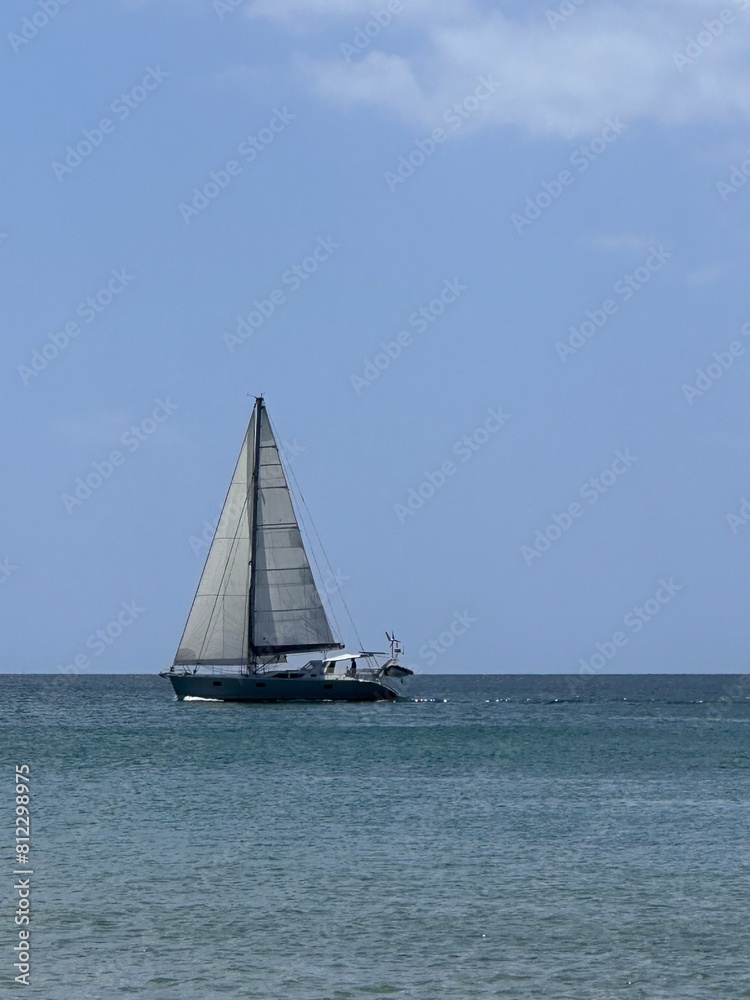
(257, 603)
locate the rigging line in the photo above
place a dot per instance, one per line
(297, 516)
(293, 493)
(331, 610)
(285, 467)
(332, 576)
(297, 513)
(298, 491)
(308, 520)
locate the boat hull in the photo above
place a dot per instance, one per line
(269, 689)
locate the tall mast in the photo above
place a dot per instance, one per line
(254, 490)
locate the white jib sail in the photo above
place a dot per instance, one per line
(217, 627)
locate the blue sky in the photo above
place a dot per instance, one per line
(559, 189)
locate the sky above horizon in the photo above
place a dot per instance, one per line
(486, 261)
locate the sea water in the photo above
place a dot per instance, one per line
(519, 837)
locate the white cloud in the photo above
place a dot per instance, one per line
(608, 59)
(709, 274)
(288, 11)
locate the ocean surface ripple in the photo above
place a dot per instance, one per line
(534, 838)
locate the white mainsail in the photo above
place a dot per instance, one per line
(268, 604)
(287, 612)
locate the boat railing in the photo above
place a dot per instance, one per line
(213, 669)
(204, 668)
